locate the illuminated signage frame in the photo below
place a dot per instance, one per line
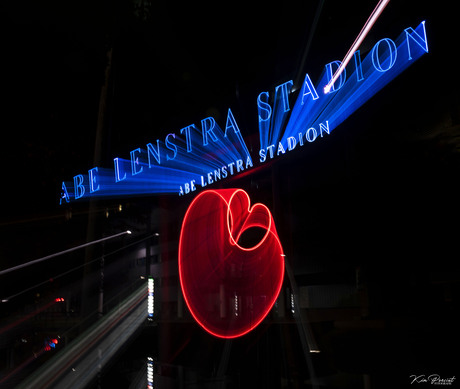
(199, 157)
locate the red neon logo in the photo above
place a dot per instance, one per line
(229, 288)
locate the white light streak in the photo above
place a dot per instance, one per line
(359, 39)
(5, 271)
(151, 298)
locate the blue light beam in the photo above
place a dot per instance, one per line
(383, 63)
(164, 167)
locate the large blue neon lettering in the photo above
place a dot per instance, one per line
(265, 113)
(79, 188)
(308, 89)
(152, 152)
(284, 94)
(390, 51)
(64, 194)
(358, 66)
(190, 164)
(136, 168)
(264, 108)
(118, 178)
(372, 73)
(414, 36)
(188, 141)
(330, 74)
(94, 186)
(171, 146)
(207, 128)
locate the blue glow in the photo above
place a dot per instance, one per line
(281, 109)
(181, 164)
(64, 194)
(265, 113)
(92, 177)
(386, 61)
(207, 127)
(330, 74)
(171, 146)
(415, 36)
(153, 152)
(188, 137)
(390, 52)
(283, 95)
(358, 66)
(116, 162)
(272, 122)
(136, 168)
(231, 124)
(78, 185)
(191, 162)
(308, 89)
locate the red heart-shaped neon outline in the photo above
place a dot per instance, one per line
(215, 271)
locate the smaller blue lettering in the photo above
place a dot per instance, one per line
(249, 162)
(311, 134)
(324, 128)
(280, 149)
(263, 155)
(239, 165)
(292, 143)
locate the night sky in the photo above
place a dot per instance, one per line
(170, 67)
(393, 208)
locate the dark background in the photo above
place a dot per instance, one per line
(380, 194)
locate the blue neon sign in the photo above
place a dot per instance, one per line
(196, 157)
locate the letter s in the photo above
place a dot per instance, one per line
(264, 107)
(171, 146)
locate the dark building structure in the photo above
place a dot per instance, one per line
(367, 215)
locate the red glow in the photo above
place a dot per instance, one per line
(228, 288)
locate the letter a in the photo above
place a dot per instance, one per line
(64, 194)
(308, 85)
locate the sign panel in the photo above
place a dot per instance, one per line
(197, 156)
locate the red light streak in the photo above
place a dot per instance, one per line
(30, 315)
(229, 289)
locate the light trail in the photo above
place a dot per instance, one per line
(23, 265)
(30, 315)
(57, 276)
(359, 39)
(382, 64)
